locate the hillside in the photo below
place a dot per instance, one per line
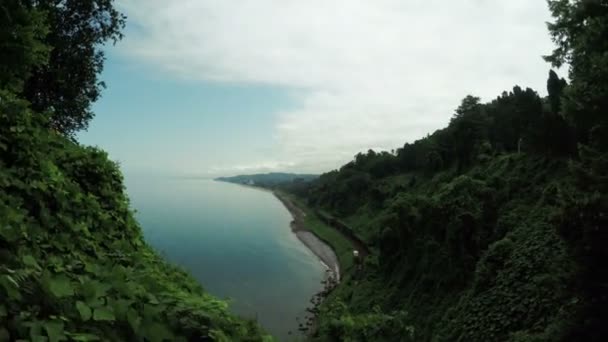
(493, 228)
(269, 180)
(73, 261)
(502, 249)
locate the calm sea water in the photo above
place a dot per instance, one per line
(236, 241)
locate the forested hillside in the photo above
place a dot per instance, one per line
(269, 179)
(494, 228)
(73, 262)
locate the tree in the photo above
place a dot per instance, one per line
(68, 85)
(516, 119)
(22, 31)
(555, 88)
(579, 30)
(469, 127)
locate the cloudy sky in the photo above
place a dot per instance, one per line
(209, 87)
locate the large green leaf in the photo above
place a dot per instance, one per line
(134, 320)
(29, 260)
(54, 331)
(10, 286)
(84, 310)
(157, 332)
(121, 308)
(93, 289)
(103, 314)
(60, 286)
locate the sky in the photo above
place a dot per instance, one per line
(225, 87)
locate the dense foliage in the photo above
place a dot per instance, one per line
(493, 228)
(68, 84)
(73, 262)
(21, 48)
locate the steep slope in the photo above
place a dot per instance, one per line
(471, 257)
(491, 229)
(73, 263)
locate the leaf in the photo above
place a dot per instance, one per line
(104, 314)
(155, 331)
(10, 233)
(134, 320)
(93, 290)
(120, 308)
(84, 310)
(54, 331)
(11, 286)
(29, 260)
(152, 299)
(60, 286)
(36, 332)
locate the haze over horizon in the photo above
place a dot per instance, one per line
(210, 88)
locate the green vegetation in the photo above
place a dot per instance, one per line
(493, 228)
(68, 84)
(341, 246)
(73, 262)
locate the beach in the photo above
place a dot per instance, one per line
(321, 249)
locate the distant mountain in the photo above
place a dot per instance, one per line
(269, 179)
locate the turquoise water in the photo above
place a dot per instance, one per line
(236, 241)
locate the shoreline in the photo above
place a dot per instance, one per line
(321, 249)
(318, 247)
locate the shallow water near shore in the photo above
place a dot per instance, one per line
(236, 241)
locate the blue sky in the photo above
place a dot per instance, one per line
(152, 123)
(205, 87)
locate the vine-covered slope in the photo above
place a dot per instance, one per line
(73, 262)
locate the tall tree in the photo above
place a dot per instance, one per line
(579, 30)
(515, 118)
(555, 88)
(68, 85)
(22, 31)
(468, 127)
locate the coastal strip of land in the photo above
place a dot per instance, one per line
(333, 247)
(320, 248)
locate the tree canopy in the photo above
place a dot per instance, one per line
(69, 83)
(22, 47)
(579, 30)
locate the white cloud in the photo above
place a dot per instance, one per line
(367, 74)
